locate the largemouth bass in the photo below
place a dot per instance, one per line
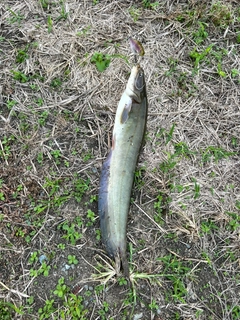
(118, 169)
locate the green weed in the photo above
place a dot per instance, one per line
(33, 272)
(33, 258)
(56, 83)
(44, 269)
(150, 5)
(237, 204)
(87, 156)
(167, 165)
(134, 13)
(201, 34)
(138, 178)
(220, 72)
(99, 288)
(61, 246)
(39, 208)
(49, 24)
(91, 217)
(185, 85)
(19, 76)
(160, 205)
(72, 259)
(93, 198)
(74, 307)
(39, 102)
(84, 31)
(66, 163)
(56, 155)
(22, 55)
(98, 234)
(2, 197)
(16, 193)
(16, 17)
(28, 237)
(19, 232)
(235, 312)
(11, 104)
(238, 37)
(122, 281)
(215, 153)
(61, 289)
(221, 14)
(80, 187)
(199, 57)
(234, 221)
(63, 13)
(47, 310)
(170, 134)
(208, 226)
(206, 256)
(153, 305)
(175, 271)
(44, 4)
(40, 158)
(103, 311)
(43, 117)
(181, 149)
(196, 189)
(6, 143)
(9, 310)
(101, 60)
(172, 66)
(188, 17)
(234, 73)
(219, 53)
(52, 186)
(71, 232)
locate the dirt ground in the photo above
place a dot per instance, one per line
(63, 68)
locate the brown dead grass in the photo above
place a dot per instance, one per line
(205, 110)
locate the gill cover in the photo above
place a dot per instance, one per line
(134, 88)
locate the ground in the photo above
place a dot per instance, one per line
(63, 68)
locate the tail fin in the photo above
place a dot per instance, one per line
(121, 262)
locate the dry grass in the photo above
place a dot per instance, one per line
(57, 112)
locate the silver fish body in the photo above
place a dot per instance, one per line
(118, 169)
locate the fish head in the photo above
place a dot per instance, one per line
(136, 84)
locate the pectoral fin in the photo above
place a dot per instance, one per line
(126, 111)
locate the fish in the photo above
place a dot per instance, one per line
(117, 175)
